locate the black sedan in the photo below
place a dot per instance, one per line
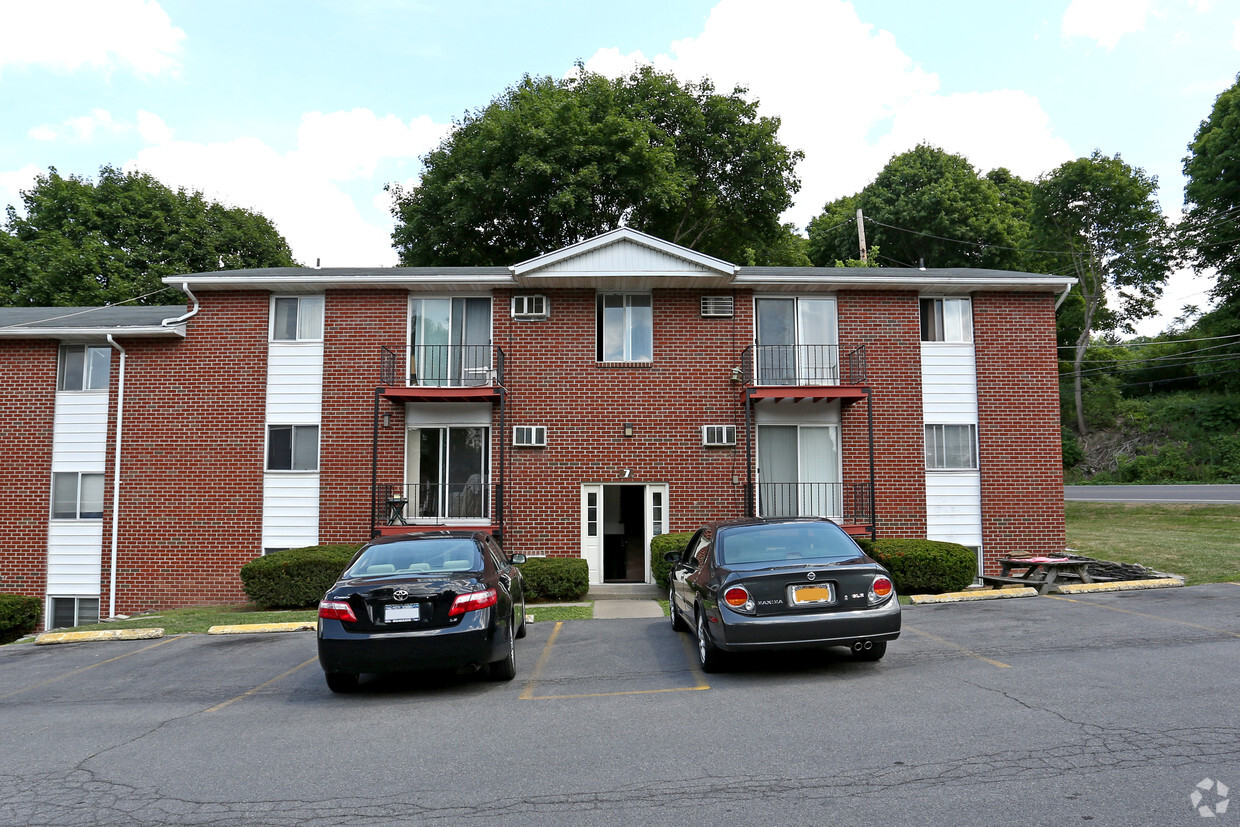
(434, 600)
(761, 585)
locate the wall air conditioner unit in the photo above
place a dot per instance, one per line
(717, 307)
(527, 306)
(718, 436)
(529, 436)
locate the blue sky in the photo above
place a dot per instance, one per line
(304, 110)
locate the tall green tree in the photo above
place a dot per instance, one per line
(1102, 216)
(947, 215)
(83, 242)
(553, 161)
(1211, 225)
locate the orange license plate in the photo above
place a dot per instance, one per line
(802, 595)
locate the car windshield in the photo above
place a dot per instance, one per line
(429, 556)
(784, 542)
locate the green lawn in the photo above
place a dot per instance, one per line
(1201, 542)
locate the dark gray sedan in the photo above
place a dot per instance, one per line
(761, 585)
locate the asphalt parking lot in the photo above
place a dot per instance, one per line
(1106, 708)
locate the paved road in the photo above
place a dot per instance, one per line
(1104, 708)
(1218, 494)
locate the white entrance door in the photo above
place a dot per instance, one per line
(592, 530)
(617, 522)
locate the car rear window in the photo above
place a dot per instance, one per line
(783, 542)
(437, 556)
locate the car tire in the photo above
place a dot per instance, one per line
(342, 682)
(521, 630)
(678, 622)
(506, 669)
(710, 658)
(880, 649)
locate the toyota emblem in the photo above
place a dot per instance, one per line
(400, 594)
(810, 576)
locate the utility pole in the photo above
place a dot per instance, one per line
(861, 236)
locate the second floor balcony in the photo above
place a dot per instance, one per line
(802, 365)
(442, 366)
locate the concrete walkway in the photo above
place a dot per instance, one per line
(612, 609)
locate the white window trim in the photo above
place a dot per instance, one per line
(940, 298)
(729, 436)
(598, 327)
(78, 497)
(526, 314)
(538, 436)
(951, 468)
(318, 458)
(433, 423)
(60, 367)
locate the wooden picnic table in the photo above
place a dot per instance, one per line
(1039, 572)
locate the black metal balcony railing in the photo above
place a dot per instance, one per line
(843, 502)
(803, 365)
(436, 504)
(443, 366)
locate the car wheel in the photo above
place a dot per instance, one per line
(506, 669)
(521, 630)
(880, 649)
(678, 622)
(341, 681)
(709, 656)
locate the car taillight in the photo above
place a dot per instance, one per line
(472, 602)
(738, 598)
(337, 610)
(881, 589)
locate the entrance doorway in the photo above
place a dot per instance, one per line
(617, 522)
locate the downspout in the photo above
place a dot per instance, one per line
(192, 312)
(1063, 296)
(116, 475)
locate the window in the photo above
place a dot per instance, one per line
(797, 341)
(799, 471)
(297, 319)
(447, 472)
(717, 307)
(591, 514)
(946, 320)
(450, 342)
(951, 447)
(292, 447)
(718, 435)
(77, 496)
(67, 612)
(625, 328)
(84, 368)
(530, 307)
(656, 513)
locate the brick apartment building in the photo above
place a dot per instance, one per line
(578, 404)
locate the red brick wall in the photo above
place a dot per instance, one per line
(888, 324)
(192, 459)
(554, 380)
(1018, 427)
(27, 407)
(359, 323)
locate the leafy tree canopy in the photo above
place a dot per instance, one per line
(932, 195)
(550, 162)
(1211, 225)
(1103, 217)
(87, 243)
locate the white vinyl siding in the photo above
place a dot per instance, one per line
(290, 510)
(949, 399)
(79, 447)
(294, 397)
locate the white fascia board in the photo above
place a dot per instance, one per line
(912, 282)
(91, 332)
(616, 236)
(334, 282)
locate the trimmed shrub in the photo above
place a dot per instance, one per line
(296, 578)
(660, 546)
(18, 616)
(925, 566)
(556, 579)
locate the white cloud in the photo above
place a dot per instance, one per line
(13, 182)
(302, 191)
(152, 128)
(1104, 21)
(85, 128)
(848, 95)
(67, 35)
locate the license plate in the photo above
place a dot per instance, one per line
(810, 595)
(401, 614)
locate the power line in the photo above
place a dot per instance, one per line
(1160, 342)
(26, 325)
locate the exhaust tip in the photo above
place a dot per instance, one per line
(869, 644)
(858, 646)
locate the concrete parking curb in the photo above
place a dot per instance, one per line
(48, 638)
(256, 628)
(973, 594)
(1121, 586)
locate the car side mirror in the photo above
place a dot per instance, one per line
(672, 556)
(517, 559)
